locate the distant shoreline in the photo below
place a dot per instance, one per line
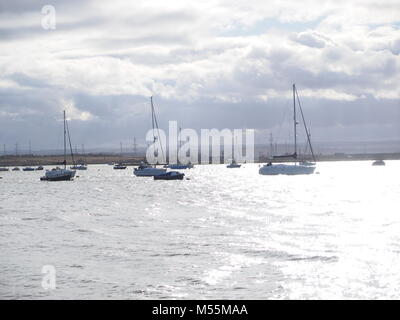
(54, 160)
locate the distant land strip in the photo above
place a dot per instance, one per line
(49, 160)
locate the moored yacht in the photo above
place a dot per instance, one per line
(119, 166)
(233, 164)
(145, 170)
(287, 169)
(79, 167)
(178, 165)
(60, 174)
(296, 168)
(378, 163)
(170, 175)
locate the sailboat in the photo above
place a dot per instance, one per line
(379, 162)
(81, 165)
(145, 170)
(179, 165)
(299, 167)
(120, 165)
(61, 174)
(233, 163)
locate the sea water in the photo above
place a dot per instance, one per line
(220, 234)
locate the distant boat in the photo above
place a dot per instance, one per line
(60, 174)
(233, 164)
(378, 163)
(4, 169)
(145, 170)
(39, 168)
(119, 166)
(79, 167)
(16, 169)
(171, 175)
(28, 169)
(304, 167)
(81, 164)
(178, 165)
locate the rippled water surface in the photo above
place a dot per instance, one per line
(225, 233)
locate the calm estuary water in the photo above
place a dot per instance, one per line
(225, 233)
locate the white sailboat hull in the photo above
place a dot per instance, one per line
(59, 175)
(148, 172)
(286, 169)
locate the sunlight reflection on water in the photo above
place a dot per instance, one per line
(225, 233)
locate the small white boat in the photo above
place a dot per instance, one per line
(233, 164)
(378, 163)
(287, 169)
(148, 171)
(58, 174)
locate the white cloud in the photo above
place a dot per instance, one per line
(73, 113)
(333, 50)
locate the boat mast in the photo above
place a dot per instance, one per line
(152, 118)
(70, 146)
(155, 122)
(308, 134)
(83, 154)
(65, 144)
(178, 145)
(295, 122)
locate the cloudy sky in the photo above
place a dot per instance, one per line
(208, 64)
